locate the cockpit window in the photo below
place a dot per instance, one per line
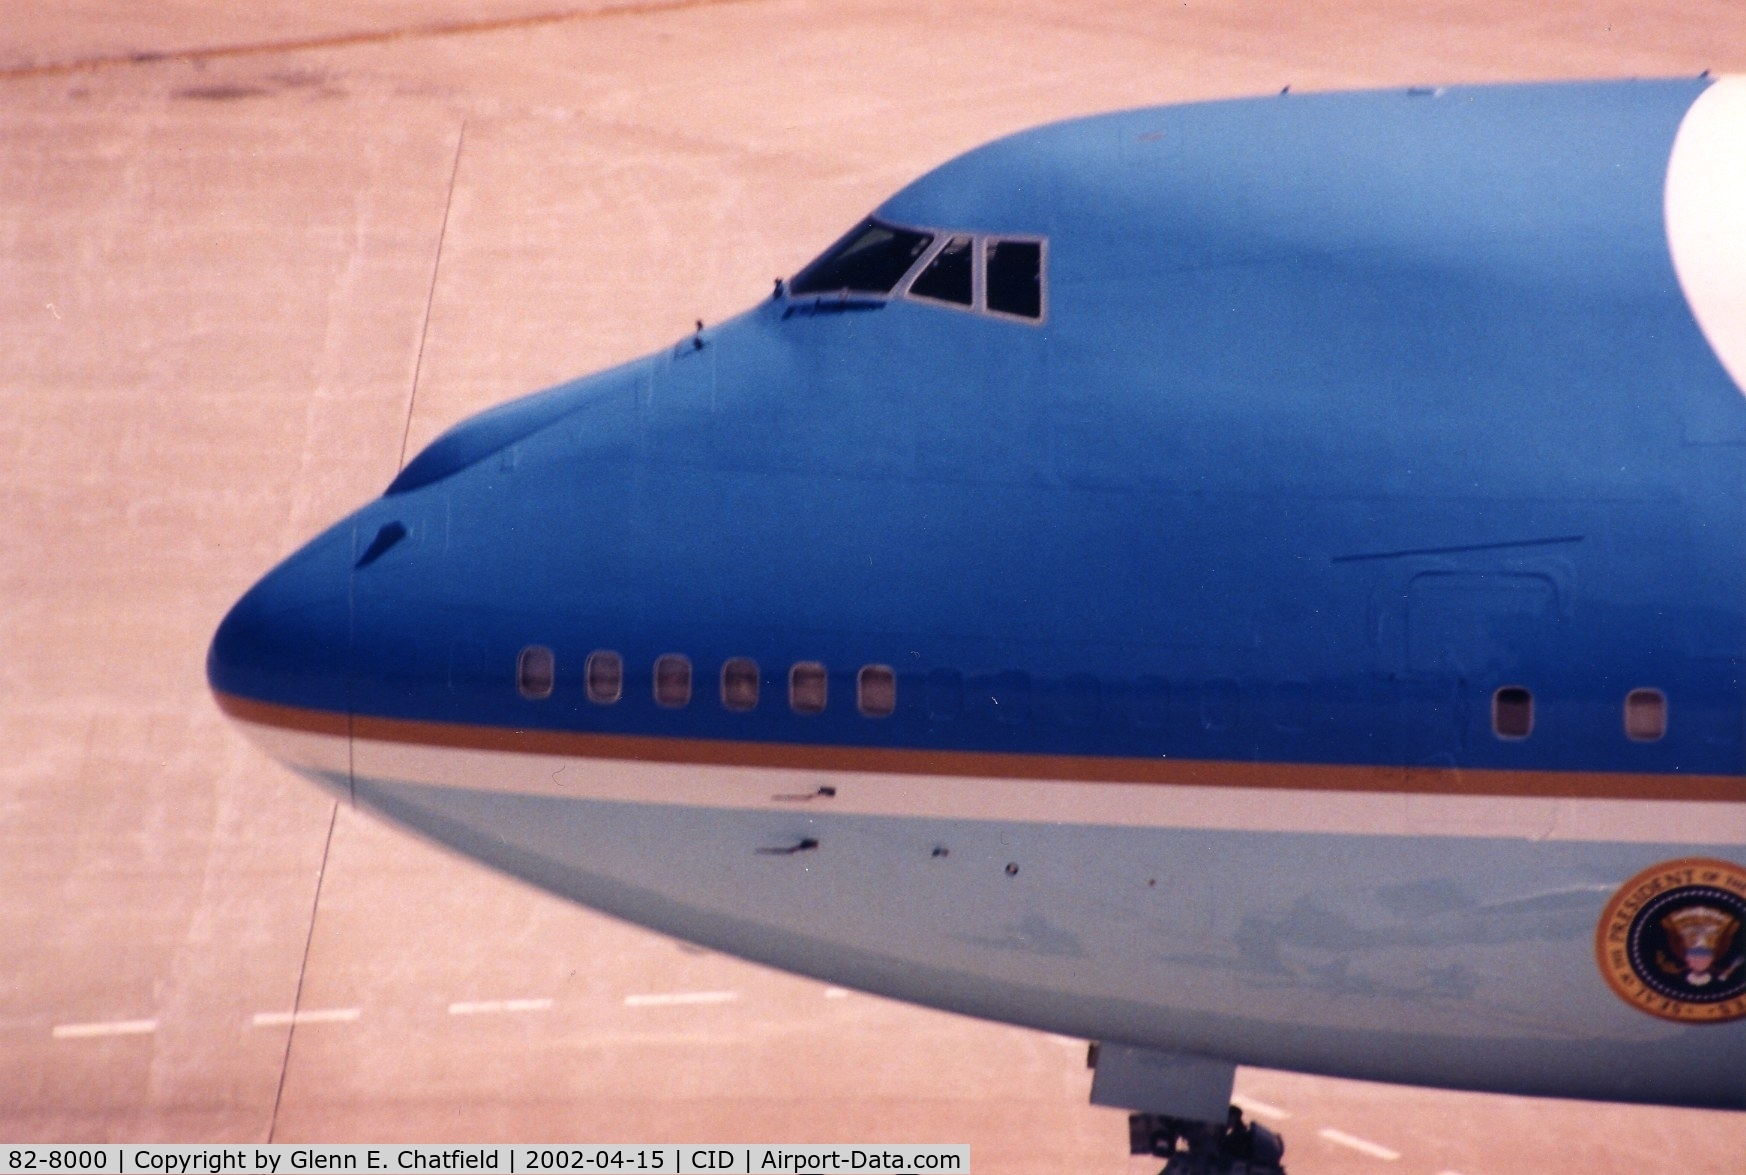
(1015, 278)
(948, 277)
(870, 260)
(1004, 276)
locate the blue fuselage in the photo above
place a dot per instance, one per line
(1351, 421)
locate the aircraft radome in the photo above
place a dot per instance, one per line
(1259, 582)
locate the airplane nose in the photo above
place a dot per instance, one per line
(287, 641)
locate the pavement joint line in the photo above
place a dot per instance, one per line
(480, 1007)
(104, 1028)
(1260, 1108)
(306, 1016)
(436, 269)
(1362, 1145)
(309, 935)
(673, 998)
(458, 28)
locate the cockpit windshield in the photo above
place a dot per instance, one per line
(870, 260)
(1001, 276)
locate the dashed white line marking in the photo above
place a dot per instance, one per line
(311, 1016)
(480, 1007)
(836, 993)
(1362, 1145)
(670, 999)
(1448, 1173)
(1259, 1108)
(105, 1028)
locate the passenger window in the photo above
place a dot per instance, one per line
(1512, 712)
(807, 687)
(1015, 278)
(672, 680)
(876, 691)
(605, 676)
(1645, 715)
(948, 276)
(739, 684)
(870, 260)
(535, 672)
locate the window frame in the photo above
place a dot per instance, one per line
(861, 676)
(674, 659)
(942, 238)
(1660, 701)
(529, 653)
(979, 243)
(906, 287)
(824, 680)
(737, 667)
(1497, 701)
(600, 657)
(1042, 244)
(844, 292)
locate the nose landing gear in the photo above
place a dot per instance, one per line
(1179, 1098)
(1233, 1147)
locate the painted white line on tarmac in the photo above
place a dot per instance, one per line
(482, 1007)
(104, 1028)
(311, 1016)
(1259, 1109)
(1362, 1145)
(836, 993)
(673, 998)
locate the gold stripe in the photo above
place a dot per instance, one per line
(1588, 785)
(285, 717)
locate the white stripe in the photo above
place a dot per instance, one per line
(1706, 218)
(301, 750)
(1260, 1109)
(670, 999)
(477, 1007)
(1187, 806)
(311, 1016)
(836, 993)
(1362, 1145)
(105, 1028)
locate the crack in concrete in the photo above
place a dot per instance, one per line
(458, 28)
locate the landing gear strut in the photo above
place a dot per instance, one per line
(1233, 1147)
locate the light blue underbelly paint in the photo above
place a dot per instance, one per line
(1459, 962)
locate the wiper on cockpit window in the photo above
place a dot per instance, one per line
(870, 260)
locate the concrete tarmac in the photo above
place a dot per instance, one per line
(252, 256)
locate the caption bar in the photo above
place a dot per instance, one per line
(669, 1159)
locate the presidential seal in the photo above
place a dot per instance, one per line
(1669, 941)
